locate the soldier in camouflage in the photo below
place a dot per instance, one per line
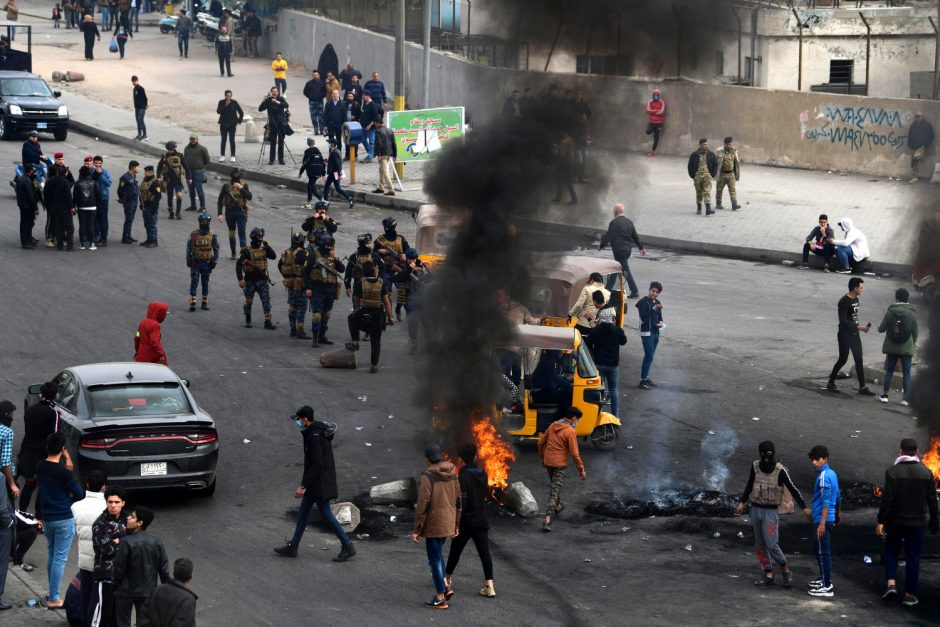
(202, 253)
(172, 169)
(291, 267)
(252, 272)
(375, 309)
(729, 173)
(321, 274)
(319, 219)
(703, 167)
(150, 192)
(233, 202)
(410, 280)
(391, 246)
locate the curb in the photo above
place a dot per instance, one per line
(27, 580)
(376, 200)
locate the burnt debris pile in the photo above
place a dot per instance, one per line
(711, 503)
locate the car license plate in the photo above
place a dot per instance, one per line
(152, 469)
(41, 125)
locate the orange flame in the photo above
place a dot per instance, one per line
(931, 458)
(494, 454)
(877, 492)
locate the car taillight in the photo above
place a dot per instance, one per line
(202, 438)
(98, 443)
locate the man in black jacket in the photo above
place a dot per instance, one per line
(620, 232)
(57, 197)
(910, 494)
(173, 603)
(277, 107)
(919, 139)
(817, 242)
(315, 92)
(605, 341)
(28, 204)
(318, 485)
(140, 559)
(230, 116)
(369, 116)
(703, 167)
(140, 109)
(333, 116)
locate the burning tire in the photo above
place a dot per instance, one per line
(605, 437)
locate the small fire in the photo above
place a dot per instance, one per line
(931, 458)
(494, 454)
(877, 492)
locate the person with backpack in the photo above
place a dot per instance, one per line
(900, 328)
(314, 167)
(766, 490)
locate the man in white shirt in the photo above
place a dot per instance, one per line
(85, 512)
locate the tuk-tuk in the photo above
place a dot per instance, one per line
(557, 283)
(588, 392)
(436, 229)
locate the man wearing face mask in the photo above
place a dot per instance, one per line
(391, 246)
(555, 445)
(321, 274)
(765, 491)
(318, 486)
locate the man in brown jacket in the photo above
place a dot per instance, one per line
(555, 445)
(437, 517)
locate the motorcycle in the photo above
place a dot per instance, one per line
(168, 24)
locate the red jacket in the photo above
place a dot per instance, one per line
(147, 343)
(656, 109)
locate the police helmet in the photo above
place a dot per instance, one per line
(327, 241)
(204, 219)
(297, 240)
(236, 173)
(321, 204)
(257, 233)
(171, 145)
(411, 253)
(365, 238)
(389, 223)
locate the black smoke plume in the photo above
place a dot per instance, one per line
(925, 388)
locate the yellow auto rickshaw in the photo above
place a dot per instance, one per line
(557, 281)
(436, 229)
(588, 392)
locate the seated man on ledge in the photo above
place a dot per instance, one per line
(817, 242)
(852, 249)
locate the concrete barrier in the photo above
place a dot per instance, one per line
(401, 491)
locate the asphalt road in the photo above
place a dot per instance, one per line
(744, 342)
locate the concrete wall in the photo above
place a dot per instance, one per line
(785, 128)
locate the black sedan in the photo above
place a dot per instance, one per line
(138, 423)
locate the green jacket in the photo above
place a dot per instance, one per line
(893, 348)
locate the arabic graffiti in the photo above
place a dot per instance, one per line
(856, 128)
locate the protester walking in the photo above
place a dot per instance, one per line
(140, 559)
(900, 328)
(197, 158)
(909, 497)
(58, 489)
(91, 33)
(223, 48)
(172, 604)
(279, 67)
(656, 116)
(334, 173)
(826, 514)
(140, 108)
(184, 27)
(148, 344)
(474, 490)
(556, 444)
(437, 516)
(230, 116)
(650, 311)
(849, 339)
(103, 178)
(621, 234)
(85, 513)
(765, 490)
(318, 485)
(107, 532)
(605, 341)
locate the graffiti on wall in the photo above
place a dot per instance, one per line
(856, 128)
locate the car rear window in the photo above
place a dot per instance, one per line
(137, 399)
(24, 87)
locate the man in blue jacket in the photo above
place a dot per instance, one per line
(826, 510)
(377, 88)
(103, 177)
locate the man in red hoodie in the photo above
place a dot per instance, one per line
(656, 112)
(147, 345)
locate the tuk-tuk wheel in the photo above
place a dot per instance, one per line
(605, 437)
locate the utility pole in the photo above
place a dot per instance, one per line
(400, 69)
(936, 62)
(426, 80)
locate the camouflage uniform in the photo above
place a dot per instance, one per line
(173, 170)
(729, 172)
(252, 272)
(323, 286)
(202, 253)
(291, 267)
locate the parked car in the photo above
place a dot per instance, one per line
(137, 423)
(28, 104)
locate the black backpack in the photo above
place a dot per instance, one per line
(315, 165)
(901, 328)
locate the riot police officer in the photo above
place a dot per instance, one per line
(322, 271)
(391, 246)
(319, 219)
(410, 281)
(291, 267)
(173, 170)
(233, 202)
(363, 254)
(202, 253)
(375, 309)
(252, 272)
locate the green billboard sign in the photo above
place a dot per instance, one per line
(422, 132)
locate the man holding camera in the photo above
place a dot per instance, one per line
(277, 127)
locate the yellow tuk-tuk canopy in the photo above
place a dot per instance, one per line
(549, 338)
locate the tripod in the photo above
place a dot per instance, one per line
(266, 140)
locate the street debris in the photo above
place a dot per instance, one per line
(667, 503)
(755, 418)
(717, 534)
(368, 443)
(740, 534)
(688, 547)
(867, 559)
(517, 498)
(401, 491)
(246, 441)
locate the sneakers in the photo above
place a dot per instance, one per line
(821, 591)
(843, 271)
(815, 583)
(644, 385)
(765, 581)
(436, 604)
(910, 600)
(83, 246)
(232, 159)
(787, 578)
(831, 386)
(891, 593)
(373, 369)
(488, 591)
(866, 392)
(346, 553)
(288, 550)
(221, 157)
(904, 403)
(883, 398)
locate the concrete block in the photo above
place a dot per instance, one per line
(401, 491)
(347, 515)
(518, 499)
(340, 358)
